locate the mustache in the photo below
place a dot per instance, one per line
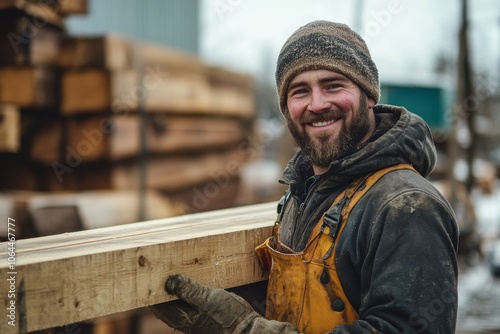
(326, 115)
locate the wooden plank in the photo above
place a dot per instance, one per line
(227, 100)
(166, 173)
(105, 52)
(168, 59)
(222, 76)
(71, 7)
(96, 208)
(181, 172)
(23, 42)
(101, 235)
(110, 52)
(42, 11)
(122, 91)
(78, 86)
(29, 87)
(177, 133)
(83, 275)
(231, 90)
(115, 137)
(179, 92)
(193, 94)
(171, 80)
(10, 128)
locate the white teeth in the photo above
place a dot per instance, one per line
(322, 123)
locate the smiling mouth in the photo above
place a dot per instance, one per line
(322, 123)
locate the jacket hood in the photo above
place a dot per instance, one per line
(400, 137)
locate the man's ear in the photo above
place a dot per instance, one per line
(371, 103)
(285, 113)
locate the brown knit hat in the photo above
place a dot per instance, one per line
(326, 45)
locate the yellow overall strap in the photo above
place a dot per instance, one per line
(342, 206)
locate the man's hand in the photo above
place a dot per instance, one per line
(201, 309)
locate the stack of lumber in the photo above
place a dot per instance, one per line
(81, 113)
(30, 35)
(82, 120)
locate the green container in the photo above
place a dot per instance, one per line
(429, 102)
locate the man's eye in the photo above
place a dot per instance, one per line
(298, 92)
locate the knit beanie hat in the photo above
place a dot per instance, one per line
(326, 45)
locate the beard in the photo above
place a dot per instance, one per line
(323, 149)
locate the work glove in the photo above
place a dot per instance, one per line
(358, 327)
(203, 310)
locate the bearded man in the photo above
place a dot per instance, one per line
(365, 243)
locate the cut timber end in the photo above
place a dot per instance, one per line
(28, 87)
(10, 128)
(79, 276)
(70, 7)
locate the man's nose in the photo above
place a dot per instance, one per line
(318, 102)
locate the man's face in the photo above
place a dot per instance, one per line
(327, 115)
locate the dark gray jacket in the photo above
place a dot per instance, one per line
(396, 258)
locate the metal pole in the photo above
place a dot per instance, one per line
(467, 89)
(143, 154)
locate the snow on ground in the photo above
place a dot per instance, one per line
(478, 289)
(479, 300)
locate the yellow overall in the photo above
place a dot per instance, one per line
(304, 288)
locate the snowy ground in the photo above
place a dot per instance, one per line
(479, 290)
(479, 301)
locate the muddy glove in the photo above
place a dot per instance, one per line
(203, 310)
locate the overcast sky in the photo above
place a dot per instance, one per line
(404, 37)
